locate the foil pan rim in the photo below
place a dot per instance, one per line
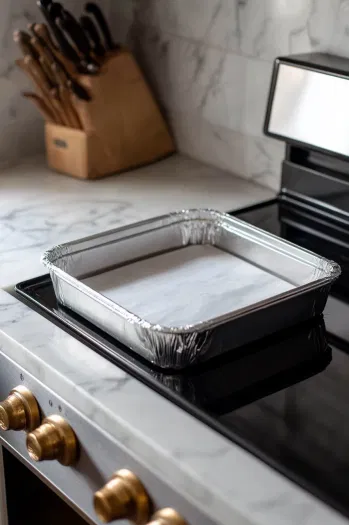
(330, 268)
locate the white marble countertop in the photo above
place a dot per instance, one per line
(40, 209)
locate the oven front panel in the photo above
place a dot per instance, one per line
(99, 456)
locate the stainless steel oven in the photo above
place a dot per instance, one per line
(58, 466)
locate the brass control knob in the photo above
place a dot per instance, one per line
(123, 497)
(20, 411)
(167, 517)
(54, 439)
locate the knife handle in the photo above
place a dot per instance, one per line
(44, 58)
(62, 76)
(76, 32)
(96, 11)
(40, 103)
(67, 50)
(35, 68)
(45, 66)
(37, 45)
(22, 39)
(75, 36)
(56, 103)
(46, 3)
(42, 31)
(25, 64)
(45, 44)
(78, 90)
(64, 95)
(59, 75)
(92, 32)
(42, 34)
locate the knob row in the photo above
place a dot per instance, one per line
(53, 439)
(123, 497)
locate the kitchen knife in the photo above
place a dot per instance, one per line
(39, 31)
(47, 70)
(75, 26)
(55, 30)
(22, 39)
(67, 49)
(92, 32)
(29, 50)
(35, 67)
(52, 13)
(37, 74)
(26, 65)
(73, 29)
(20, 62)
(41, 105)
(39, 48)
(56, 103)
(77, 89)
(44, 58)
(42, 31)
(97, 13)
(69, 109)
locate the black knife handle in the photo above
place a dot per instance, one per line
(67, 50)
(78, 90)
(74, 35)
(77, 33)
(96, 11)
(83, 65)
(92, 32)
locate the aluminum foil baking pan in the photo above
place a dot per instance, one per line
(190, 285)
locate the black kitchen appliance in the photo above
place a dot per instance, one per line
(285, 397)
(307, 109)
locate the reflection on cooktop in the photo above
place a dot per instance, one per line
(230, 381)
(305, 428)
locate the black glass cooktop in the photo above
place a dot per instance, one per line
(284, 398)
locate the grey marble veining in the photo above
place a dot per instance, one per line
(210, 62)
(228, 484)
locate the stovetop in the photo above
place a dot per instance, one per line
(283, 398)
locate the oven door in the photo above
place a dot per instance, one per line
(25, 499)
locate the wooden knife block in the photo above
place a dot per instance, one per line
(123, 126)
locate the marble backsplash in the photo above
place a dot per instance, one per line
(208, 61)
